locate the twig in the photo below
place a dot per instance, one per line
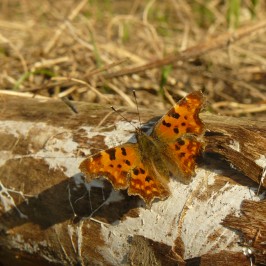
(83, 83)
(238, 108)
(23, 94)
(122, 94)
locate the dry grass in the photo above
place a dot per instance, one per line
(99, 51)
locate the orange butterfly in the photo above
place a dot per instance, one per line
(144, 167)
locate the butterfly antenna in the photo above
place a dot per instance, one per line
(123, 117)
(136, 102)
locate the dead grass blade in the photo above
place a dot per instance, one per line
(62, 27)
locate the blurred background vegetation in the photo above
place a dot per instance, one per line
(79, 49)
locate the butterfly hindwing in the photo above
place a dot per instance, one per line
(143, 182)
(182, 156)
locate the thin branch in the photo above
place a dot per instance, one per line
(195, 51)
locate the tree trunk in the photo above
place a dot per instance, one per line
(50, 214)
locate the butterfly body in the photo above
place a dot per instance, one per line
(151, 152)
(144, 168)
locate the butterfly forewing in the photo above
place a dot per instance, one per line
(181, 119)
(121, 165)
(113, 164)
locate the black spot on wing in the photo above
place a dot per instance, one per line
(142, 171)
(124, 152)
(136, 171)
(176, 130)
(148, 179)
(180, 141)
(111, 153)
(174, 114)
(166, 124)
(127, 162)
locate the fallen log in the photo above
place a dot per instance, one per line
(49, 213)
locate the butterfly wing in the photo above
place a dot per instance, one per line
(144, 184)
(181, 119)
(114, 164)
(122, 166)
(177, 132)
(181, 156)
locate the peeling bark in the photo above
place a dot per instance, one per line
(251, 224)
(48, 213)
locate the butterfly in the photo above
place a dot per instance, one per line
(144, 167)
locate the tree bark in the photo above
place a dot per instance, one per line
(48, 213)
